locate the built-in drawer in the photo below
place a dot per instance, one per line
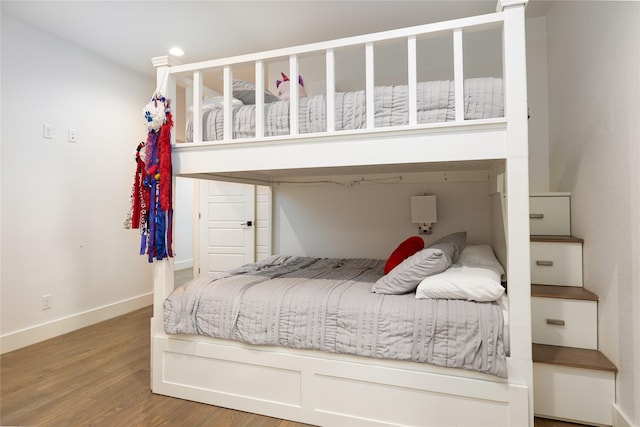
(556, 262)
(568, 393)
(573, 384)
(550, 214)
(564, 322)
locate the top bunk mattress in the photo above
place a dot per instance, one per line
(326, 304)
(483, 99)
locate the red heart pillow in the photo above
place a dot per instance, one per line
(407, 248)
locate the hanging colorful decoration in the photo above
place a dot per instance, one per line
(151, 199)
(137, 215)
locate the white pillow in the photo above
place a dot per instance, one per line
(246, 92)
(480, 256)
(462, 282)
(216, 102)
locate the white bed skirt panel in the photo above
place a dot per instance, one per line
(329, 389)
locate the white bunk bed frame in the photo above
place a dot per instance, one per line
(332, 389)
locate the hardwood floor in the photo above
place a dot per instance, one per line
(99, 376)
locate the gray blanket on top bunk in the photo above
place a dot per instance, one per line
(326, 304)
(483, 98)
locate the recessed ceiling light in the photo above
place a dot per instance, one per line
(176, 51)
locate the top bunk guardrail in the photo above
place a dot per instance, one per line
(411, 97)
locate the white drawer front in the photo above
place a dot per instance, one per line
(561, 392)
(564, 322)
(550, 215)
(556, 263)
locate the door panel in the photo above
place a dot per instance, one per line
(227, 240)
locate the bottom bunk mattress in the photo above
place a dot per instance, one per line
(325, 304)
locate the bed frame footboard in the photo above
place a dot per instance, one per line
(327, 389)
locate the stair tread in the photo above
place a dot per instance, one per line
(555, 239)
(572, 357)
(565, 292)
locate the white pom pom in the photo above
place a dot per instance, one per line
(154, 115)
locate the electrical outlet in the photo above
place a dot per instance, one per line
(425, 229)
(46, 302)
(73, 135)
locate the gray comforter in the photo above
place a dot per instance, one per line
(483, 98)
(325, 304)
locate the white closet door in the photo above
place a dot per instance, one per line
(227, 225)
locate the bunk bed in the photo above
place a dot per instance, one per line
(328, 388)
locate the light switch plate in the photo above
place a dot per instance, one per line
(48, 131)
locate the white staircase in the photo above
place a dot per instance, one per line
(573, 381)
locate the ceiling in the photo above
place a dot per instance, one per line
(132, 32)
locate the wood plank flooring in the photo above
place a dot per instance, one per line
(99, 376)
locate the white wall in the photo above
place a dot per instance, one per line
(370, 220)
(63, 204)
(183, 222)
(538, 105)
(594, 127)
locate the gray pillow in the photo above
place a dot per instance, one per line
(458, 240)
(246, 92)
(406, 276)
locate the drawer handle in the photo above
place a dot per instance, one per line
(555, 322)
(545, 263)
(536, 216)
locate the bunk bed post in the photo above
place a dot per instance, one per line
(163, 271)
(517, 178)
(163, 282)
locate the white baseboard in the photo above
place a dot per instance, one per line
(18, 339)
(182, 264)
(620, 419)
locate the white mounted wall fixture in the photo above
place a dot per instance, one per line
(424, 212)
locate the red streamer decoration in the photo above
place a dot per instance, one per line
(140, 200)
(152, 204)
(164, 149)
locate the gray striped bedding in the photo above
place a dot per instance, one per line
(325, 304)
(483, 98)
